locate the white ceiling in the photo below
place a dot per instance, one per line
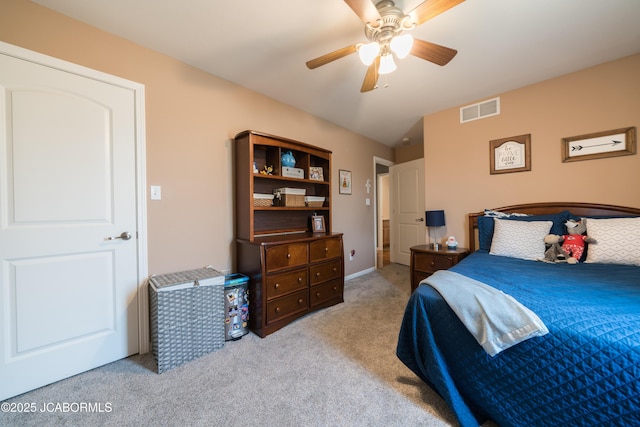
(263, 45)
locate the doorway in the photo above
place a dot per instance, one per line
(382, 215)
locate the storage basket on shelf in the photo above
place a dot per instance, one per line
(290, 197)
(187, 315)
(262, 199)
(314, 201)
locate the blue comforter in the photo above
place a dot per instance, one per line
(585, 372)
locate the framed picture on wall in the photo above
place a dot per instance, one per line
(610, 143)
(510, 154)
(344, 181)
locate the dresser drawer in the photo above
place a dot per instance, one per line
(284, 283)
(288, 255)
(326, 292)
(326, 271)
(287, 305)
(430, 263)
(325, 249)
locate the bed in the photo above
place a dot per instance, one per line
(584, 371)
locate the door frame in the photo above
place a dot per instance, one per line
(385, 162)
(141, 197)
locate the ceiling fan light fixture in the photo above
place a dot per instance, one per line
(401, 45)
(386, 64)
(368, 52)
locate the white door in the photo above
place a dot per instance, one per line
(68, 294)
(407, 209)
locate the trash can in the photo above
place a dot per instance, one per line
(236, 306)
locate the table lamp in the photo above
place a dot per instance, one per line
(434, 219)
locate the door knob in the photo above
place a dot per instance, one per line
(124, 236)
(419, 219)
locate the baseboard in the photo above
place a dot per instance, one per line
(359, 273)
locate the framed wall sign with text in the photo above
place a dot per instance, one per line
(510, 154)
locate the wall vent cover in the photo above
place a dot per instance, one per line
(480, 110)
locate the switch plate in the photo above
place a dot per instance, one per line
(156, 192)
(367, 201)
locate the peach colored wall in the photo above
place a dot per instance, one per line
(604, 97)
(191, 117)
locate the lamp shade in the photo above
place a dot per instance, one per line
(434, 218)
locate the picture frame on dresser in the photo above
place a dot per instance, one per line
(317, 222)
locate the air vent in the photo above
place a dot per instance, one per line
(480, 110)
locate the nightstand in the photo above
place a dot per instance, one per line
(425, 260)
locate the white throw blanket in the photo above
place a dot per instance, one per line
(496, 320)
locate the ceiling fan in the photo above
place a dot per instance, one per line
(384, 24)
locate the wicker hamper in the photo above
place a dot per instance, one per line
(187, 315)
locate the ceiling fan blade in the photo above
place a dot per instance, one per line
(329, 57)
(365, 9)
(432, 52)
(371, 78)
(430, 9)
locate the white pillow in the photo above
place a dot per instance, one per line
(617, 240)
(519, 239)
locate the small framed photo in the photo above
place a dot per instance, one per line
(610, 143)
(316, 173)
(510, 154)
(344, 183)
(317, 223)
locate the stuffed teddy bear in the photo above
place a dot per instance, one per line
(572, 244)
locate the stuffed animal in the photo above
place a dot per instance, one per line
(572, 244)
(554, 253)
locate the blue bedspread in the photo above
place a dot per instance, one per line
(585, 372)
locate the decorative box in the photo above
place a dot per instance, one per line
(186, 315)
(290, 197)
(292, 172)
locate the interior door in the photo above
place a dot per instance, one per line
(407, 209)
(68, 224)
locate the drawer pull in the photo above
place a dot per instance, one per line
(335, 269)
(433, 263)
(335, 288)
(277, 309)
(326, 249)
(318, 274)
(276, 286)
(318, 294)
(299, 279)
(300, 301)
(288, 256)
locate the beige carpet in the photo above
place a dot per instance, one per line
(336, 367)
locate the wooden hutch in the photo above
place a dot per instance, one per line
(292, 269)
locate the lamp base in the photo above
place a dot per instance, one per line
(436, 246)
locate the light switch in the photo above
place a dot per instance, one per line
(156, 192)
(367, 201)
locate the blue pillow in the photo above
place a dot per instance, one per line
(485, 226)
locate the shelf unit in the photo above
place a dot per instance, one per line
(292, 269)
(260, 149)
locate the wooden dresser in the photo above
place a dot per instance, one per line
(290, 277)
(293, 269)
